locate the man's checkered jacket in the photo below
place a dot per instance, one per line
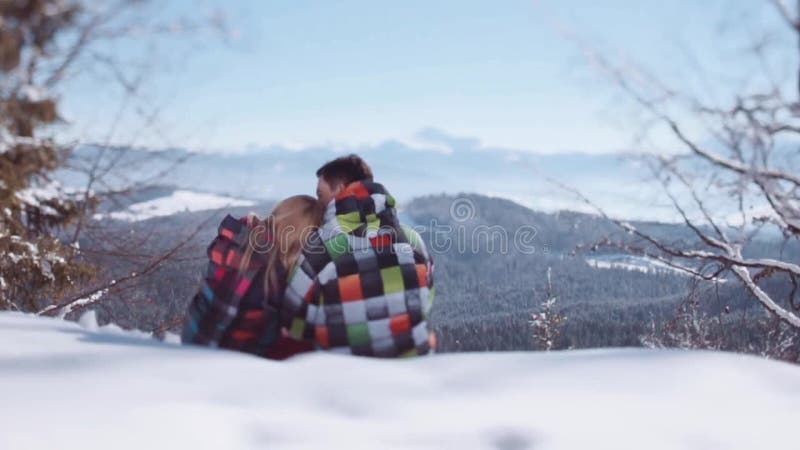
(364, 283)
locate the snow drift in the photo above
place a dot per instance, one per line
(64, 386)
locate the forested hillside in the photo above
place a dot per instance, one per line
(485, 296)
(485, 292)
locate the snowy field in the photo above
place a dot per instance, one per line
(632, 262)
(66, 386)
(177, 202)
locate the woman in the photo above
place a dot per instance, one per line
(247, 275)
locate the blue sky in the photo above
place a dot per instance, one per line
(351, 73)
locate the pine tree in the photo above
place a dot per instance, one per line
(35, 266)
(547, 321)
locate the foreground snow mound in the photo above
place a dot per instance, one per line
(62, 386)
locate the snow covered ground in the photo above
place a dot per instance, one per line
(64, 386)
(178, 201)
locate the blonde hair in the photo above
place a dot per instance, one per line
(290, 223)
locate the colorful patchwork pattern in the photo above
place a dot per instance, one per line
(364, 283)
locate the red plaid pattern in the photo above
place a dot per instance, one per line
(231, 309)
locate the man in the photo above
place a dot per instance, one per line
(335, 175)
(364, 283)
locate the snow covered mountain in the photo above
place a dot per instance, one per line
(437, 164)
(65, 387)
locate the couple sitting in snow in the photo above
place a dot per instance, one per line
(338, 273)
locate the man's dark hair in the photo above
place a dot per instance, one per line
(345, 170)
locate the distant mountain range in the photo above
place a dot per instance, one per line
(408, 172)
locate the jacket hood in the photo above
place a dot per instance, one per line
(364, 209)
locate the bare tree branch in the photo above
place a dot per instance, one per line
(787, 15)
(146, 269)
